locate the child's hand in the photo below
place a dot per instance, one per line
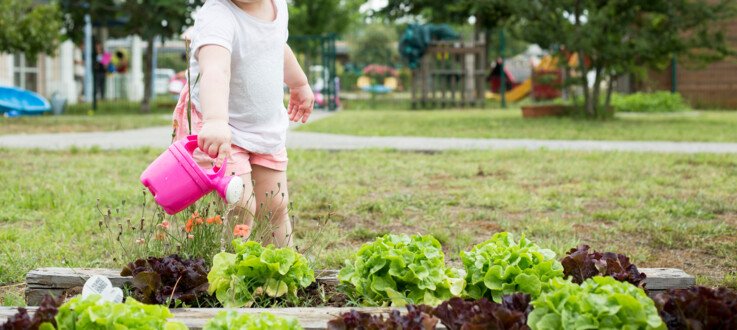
(214, 138)
(301, 101)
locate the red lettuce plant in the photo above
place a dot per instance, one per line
(581, 264)
(459, 314)
(698, 308)
(416, 318)
(42, 319)
(168, 280)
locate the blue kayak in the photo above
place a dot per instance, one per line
(18, 102)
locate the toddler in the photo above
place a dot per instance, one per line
(239, 63)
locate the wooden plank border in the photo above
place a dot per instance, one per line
(195, 318)
(58, 281)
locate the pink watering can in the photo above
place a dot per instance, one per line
(176, 181)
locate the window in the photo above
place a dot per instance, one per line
(24, 76)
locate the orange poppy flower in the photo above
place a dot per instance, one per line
(189, 225)
(241, 230)
(216, 220)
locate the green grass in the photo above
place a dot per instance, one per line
(690, 126)
(80, 123)
(661, 210)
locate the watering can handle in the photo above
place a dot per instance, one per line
(192, 144)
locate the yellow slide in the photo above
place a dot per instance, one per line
(519, 92)
(514, 95)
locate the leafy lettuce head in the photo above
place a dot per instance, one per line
(400, 269)
(598, 303)
(231, 320)
(501, 266)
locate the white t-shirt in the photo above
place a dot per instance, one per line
(258, 118)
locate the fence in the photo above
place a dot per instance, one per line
(317, 56)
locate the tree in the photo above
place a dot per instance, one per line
(617, 37)
(488, 13)
(322, 16)
(151, 18)
(145, 18)
(29, 28)
(374, 45)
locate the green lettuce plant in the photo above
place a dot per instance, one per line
(93, 313)
(598, 303)
(231, 320)
(501, 266)
(400, 269)
(253, 271)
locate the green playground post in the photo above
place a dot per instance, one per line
(673, 74)
(503, 78)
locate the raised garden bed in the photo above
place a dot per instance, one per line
(60, 281)
(57, 281)
(544, 110)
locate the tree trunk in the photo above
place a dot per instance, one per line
(596, 106)
(588, 106)
(607, 104)
(148, 71)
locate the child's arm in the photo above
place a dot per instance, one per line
(214, 137)
(301, 98)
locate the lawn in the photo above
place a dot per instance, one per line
(661, 210)
(81, 123)
(508, 124)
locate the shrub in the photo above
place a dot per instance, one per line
(598, 303)
(231, 320)
(698, 308)
(93, 313)
(501, 266)
(400, 269)
(649, 102)
(255, 271)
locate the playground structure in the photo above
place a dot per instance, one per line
(543, 84)
(450, 74)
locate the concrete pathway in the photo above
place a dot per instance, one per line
(159, 137)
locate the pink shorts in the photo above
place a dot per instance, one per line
(240, 160)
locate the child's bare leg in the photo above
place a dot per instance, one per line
(272, 194)
(245, 209)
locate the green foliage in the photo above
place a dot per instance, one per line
(488, 13)
(231, 320)
(254, 271)
(400, 269)
(314, 17)
(30, 28)
(172, 60)
(625, 36)
(95, 314)
(501, 266)
(649, 102)
(374, 45)
(598, 303)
